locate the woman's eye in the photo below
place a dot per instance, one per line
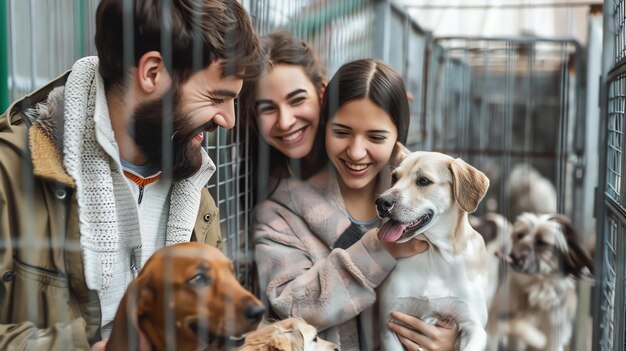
(199, 280)
(298, 100)
(378, 138)
(217, 101)
(421, 181)
(263, 110)
(340, 132)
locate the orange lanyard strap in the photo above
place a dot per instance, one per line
(142, 182)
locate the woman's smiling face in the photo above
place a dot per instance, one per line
(288, 108)
(359, 142)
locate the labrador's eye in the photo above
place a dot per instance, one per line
(394, 178)
(199, 280)
(315, 338)
(423, 181)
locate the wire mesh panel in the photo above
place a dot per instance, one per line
(610, 331)
(607, 307)
(499, 102)
(615, 138)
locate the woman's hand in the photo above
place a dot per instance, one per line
(416, 335)
(405, 249)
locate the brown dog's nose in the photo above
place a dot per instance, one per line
(384, 205)
(255, 314)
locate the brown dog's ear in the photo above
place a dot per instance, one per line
(280, 342)
(576, 258)
(400, 152)
(145, 301)
(470, 185)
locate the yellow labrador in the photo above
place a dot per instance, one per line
(430, 198)
(291, 334)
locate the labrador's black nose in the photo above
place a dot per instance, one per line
(384, 205)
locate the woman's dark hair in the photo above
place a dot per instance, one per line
(199, 32)
(364, 79)
(279, 48)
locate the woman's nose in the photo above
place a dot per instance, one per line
(356, 150)
(286, 119)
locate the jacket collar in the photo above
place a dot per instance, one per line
(45, 137)
(45, 152)
(46, 157)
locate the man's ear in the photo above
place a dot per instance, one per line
(152, 75)
(400, 152)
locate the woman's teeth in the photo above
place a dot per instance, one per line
(294, 136)
(356, 167)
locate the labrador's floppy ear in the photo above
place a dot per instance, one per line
(399, 153)
(470, 185)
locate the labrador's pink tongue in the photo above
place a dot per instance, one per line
(390, 231)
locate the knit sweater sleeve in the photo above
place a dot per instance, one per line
(300, 277)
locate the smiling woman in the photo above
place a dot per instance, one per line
(283, 108)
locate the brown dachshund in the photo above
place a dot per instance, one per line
(186, 297)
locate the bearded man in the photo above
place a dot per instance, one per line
(104, 165)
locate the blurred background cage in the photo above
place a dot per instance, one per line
(499, 102)
(502, 102)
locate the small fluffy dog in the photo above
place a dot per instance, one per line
(528, 191)
(429, 200)
(291, 334)
(189, 294)
(536, 305)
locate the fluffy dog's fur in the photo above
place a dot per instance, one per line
(186, 296)
(292, 334)
(528, 191)
(496, 232)
(429, 200)
(536, 306)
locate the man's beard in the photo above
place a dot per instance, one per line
(148, 120)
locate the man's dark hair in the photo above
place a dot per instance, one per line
(199, 32)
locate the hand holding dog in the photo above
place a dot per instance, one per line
(417, 335)
(405, 249)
